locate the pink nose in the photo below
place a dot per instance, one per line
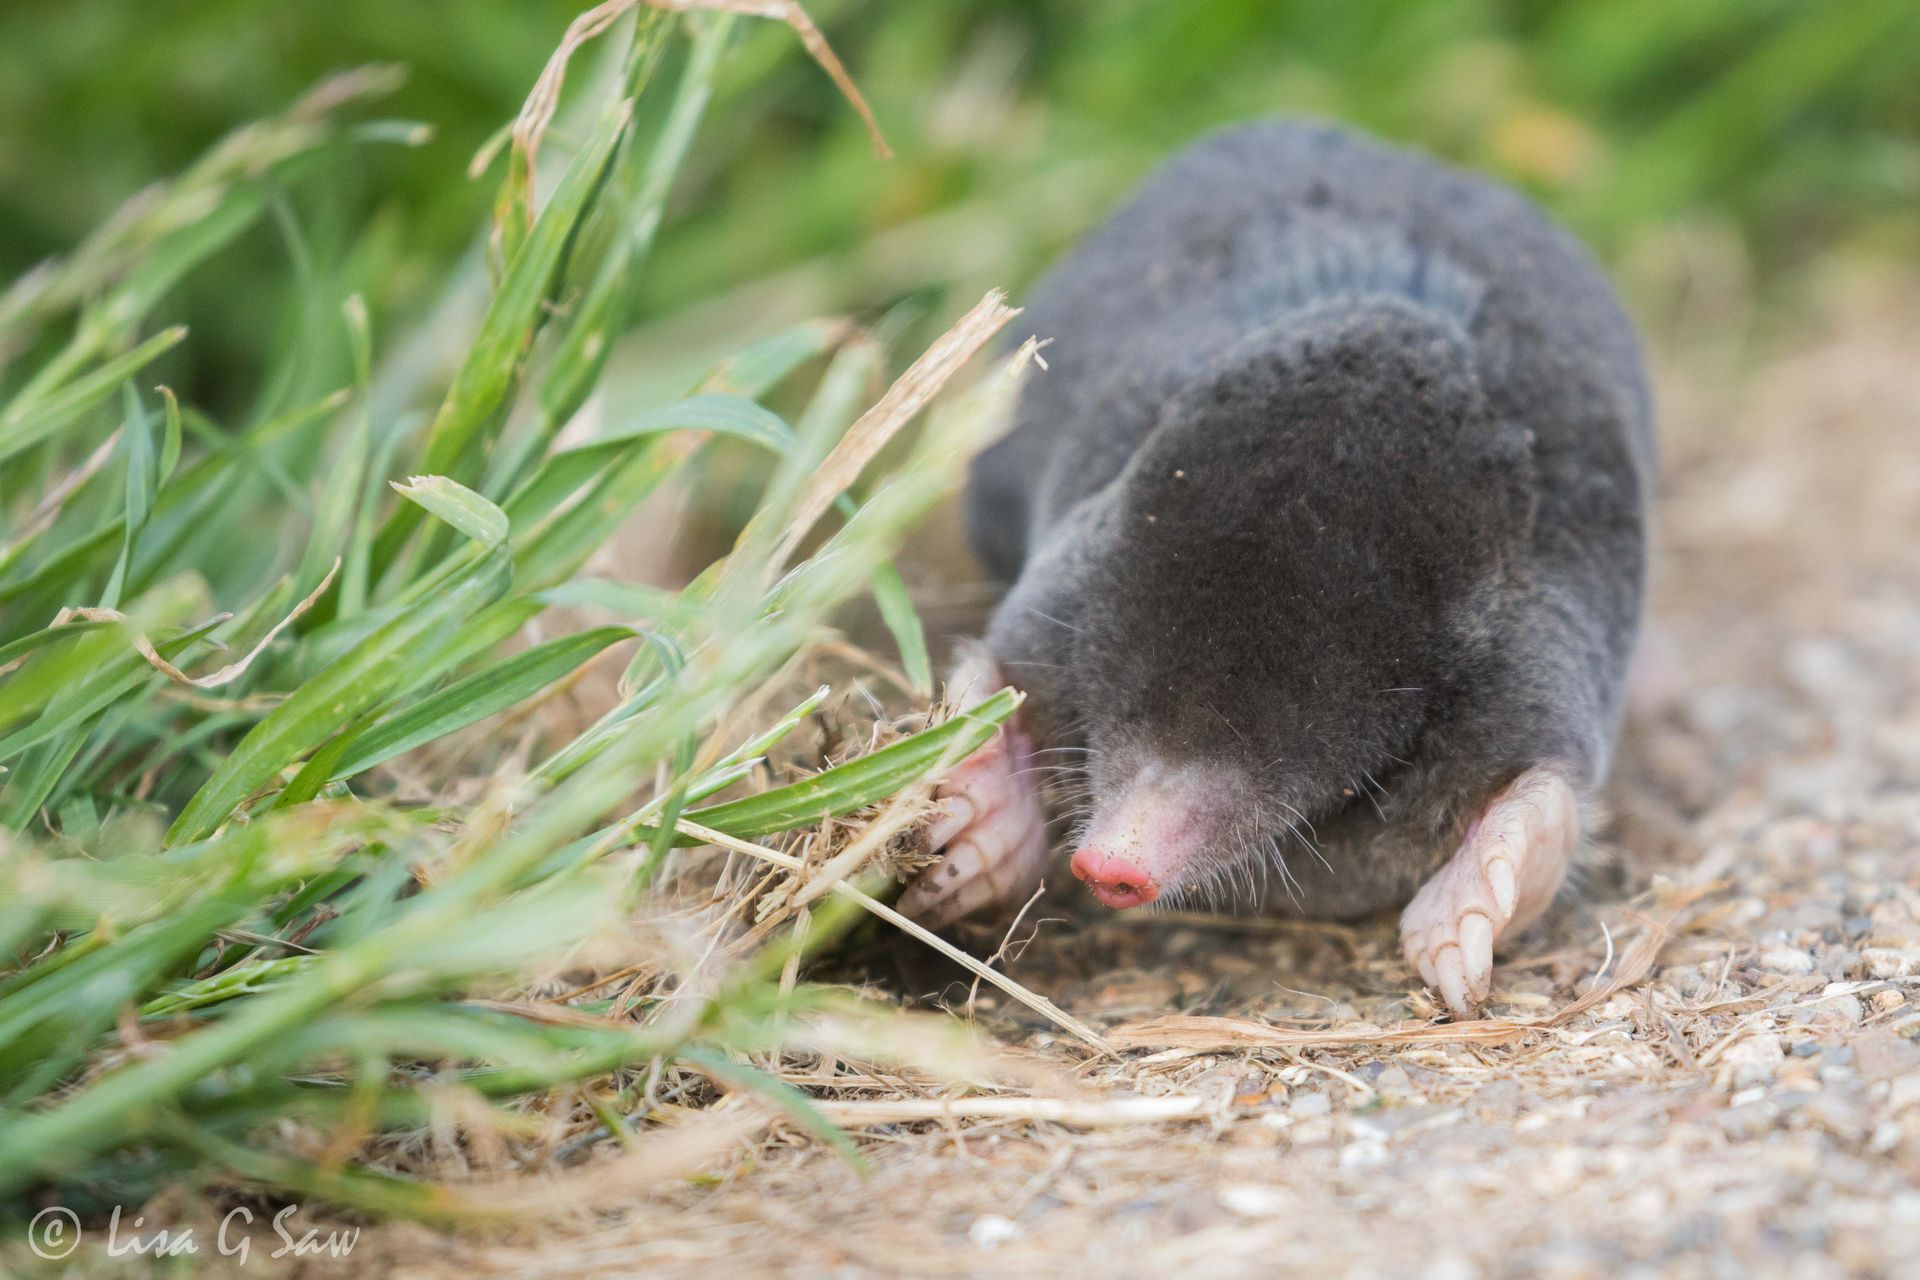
(1117, 882)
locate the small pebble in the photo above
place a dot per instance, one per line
(1393, 1081)
(1450, 1266)
(1309, 1105)
(1888, 962)
(1251, 1200)
(990, 1231)
(1309, 1132)
(1754, 1061)
(1790, 960)
(1744, 1124)
(1363, 1155)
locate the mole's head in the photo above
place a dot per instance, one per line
(1279, 601)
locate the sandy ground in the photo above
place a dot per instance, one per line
(1749, 1105)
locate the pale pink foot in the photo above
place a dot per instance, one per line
(1506, 872)
(993, 832)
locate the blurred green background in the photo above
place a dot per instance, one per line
(1781, 131)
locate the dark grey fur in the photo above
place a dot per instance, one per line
(1336, 485)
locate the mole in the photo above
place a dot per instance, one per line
(1326, 530)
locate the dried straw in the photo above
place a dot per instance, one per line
(1038, 1003)
(1215, 1033)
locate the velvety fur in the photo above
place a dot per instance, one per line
(1336, 484)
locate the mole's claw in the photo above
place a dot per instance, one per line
(1500, 883)
(993, 831)
(1453, 977)
(1414, 943)
(959, 814)
(1513, 860)
(1476, 954)
(994, 860)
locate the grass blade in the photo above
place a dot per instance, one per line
(28, 421)
(864, 781)
(493, 361)
(380, 667)
(459, 506)
(890, 594)
(504, 684)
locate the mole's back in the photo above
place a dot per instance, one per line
(1259, 223)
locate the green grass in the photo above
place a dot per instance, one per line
(217, 910)
(1784, 129)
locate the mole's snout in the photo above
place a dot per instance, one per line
(1117, 882)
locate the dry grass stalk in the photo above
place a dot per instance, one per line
(1207, 1033)
(530, 127)
(41, 518)
(1195, 1031)
(907, 396)
(900, 813)
(225, 675)
(1038, 1003)
(1081, 1113)
(656, 1159)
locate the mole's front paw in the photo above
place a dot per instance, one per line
(1504, 875)
(993, 833)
